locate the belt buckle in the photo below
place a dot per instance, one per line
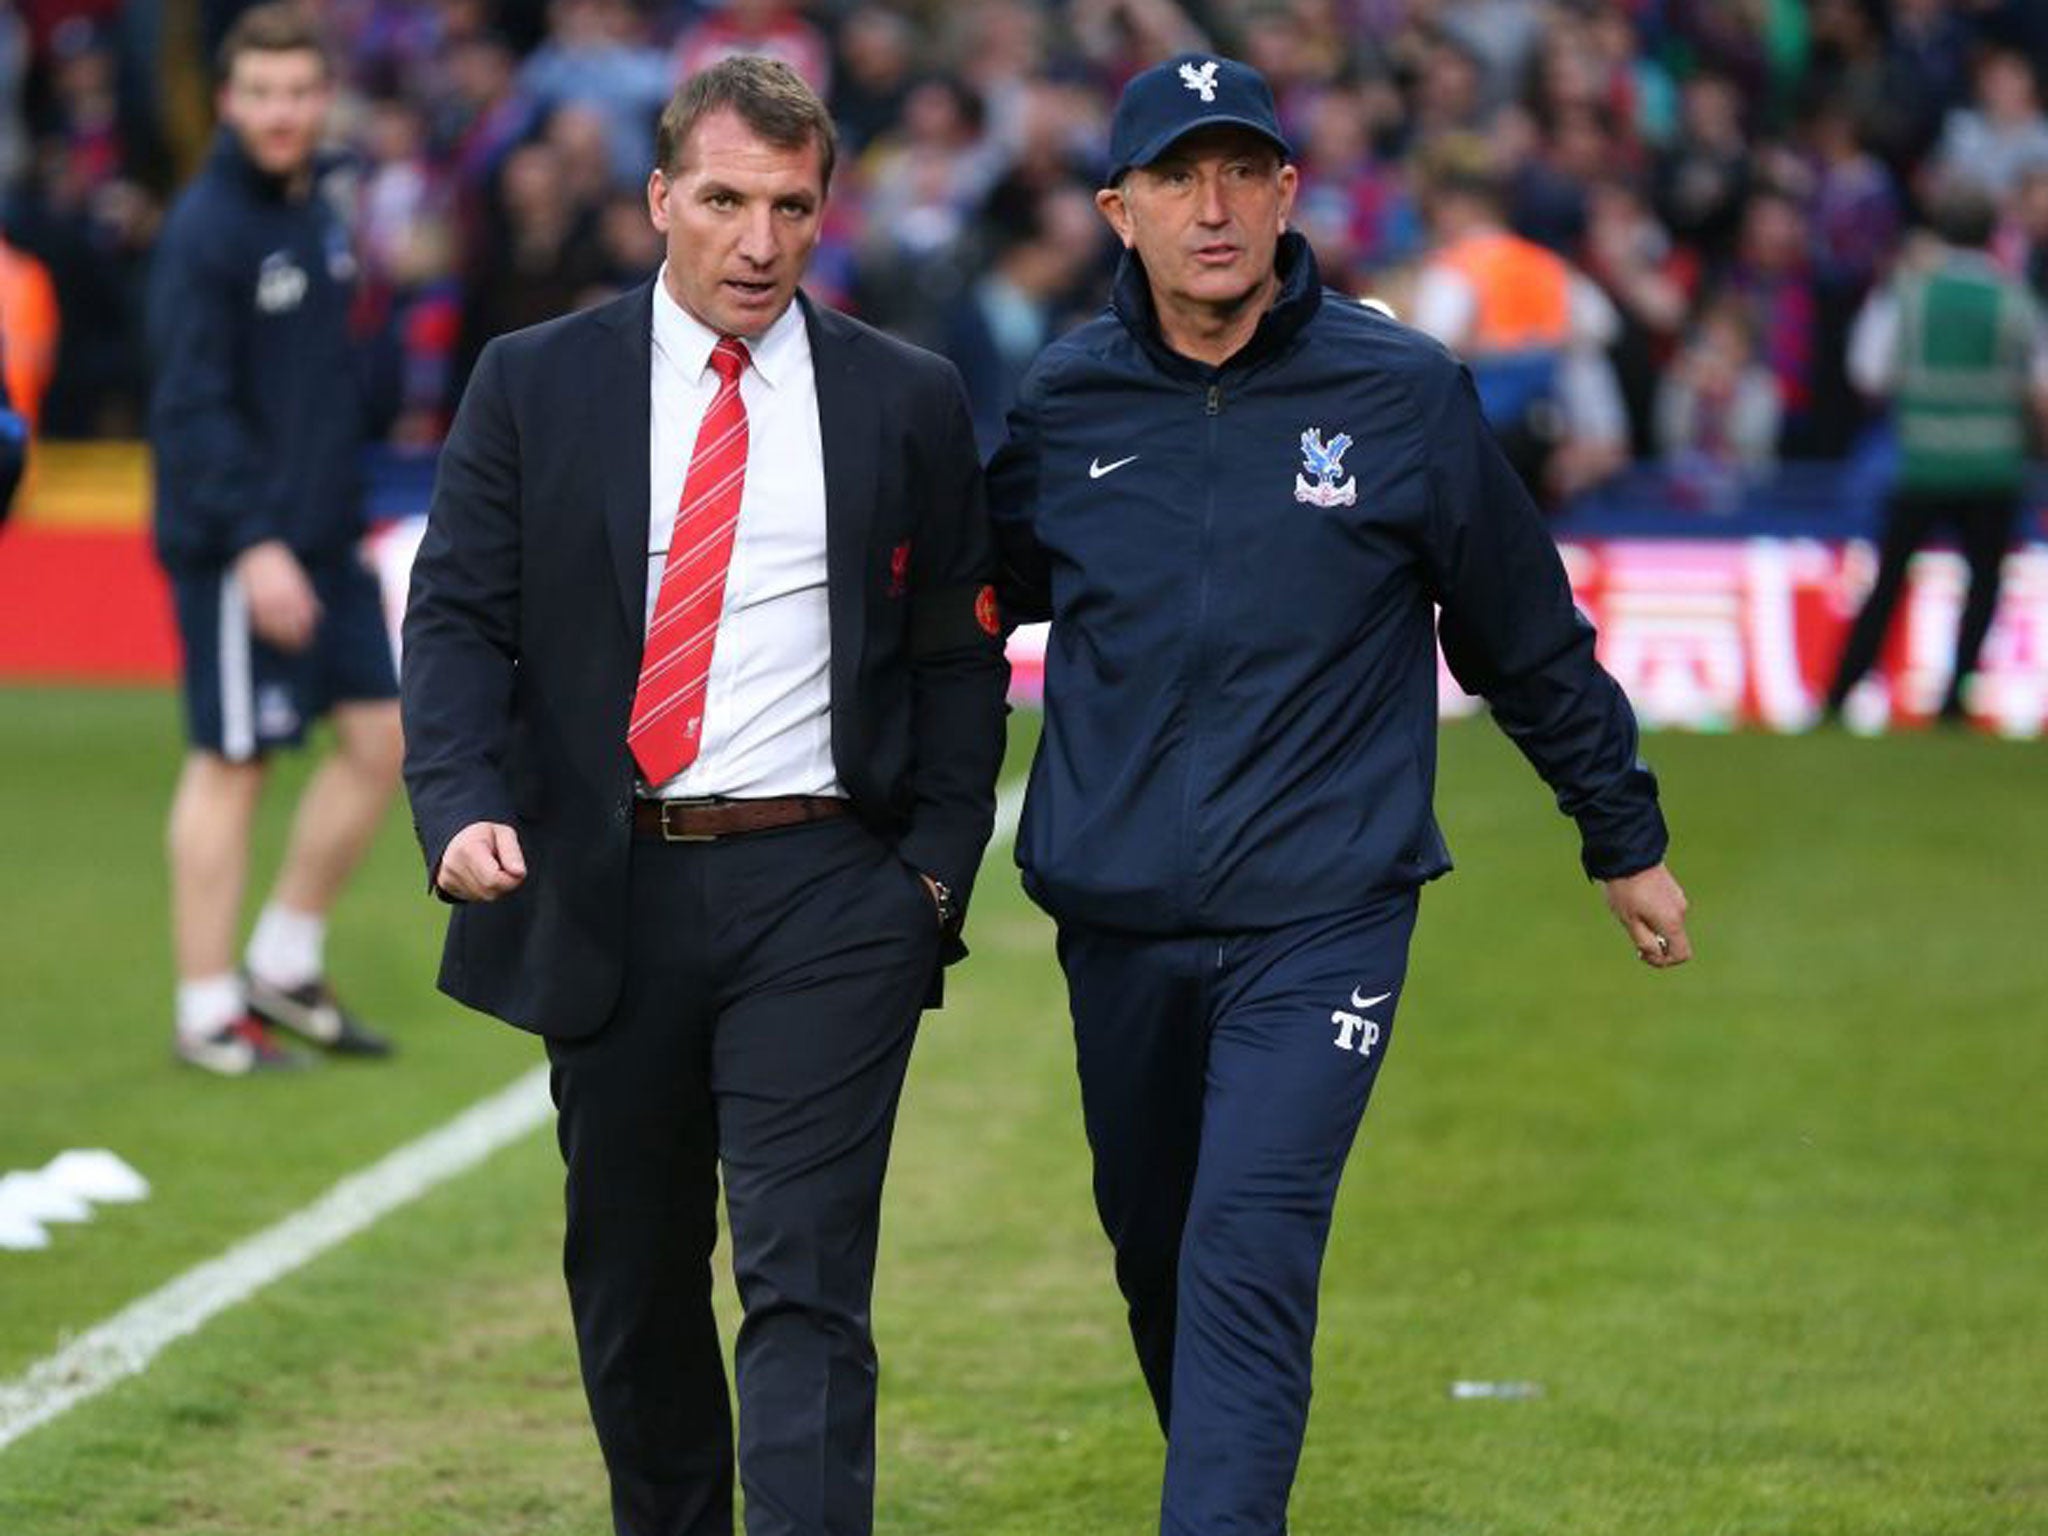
(693, 803)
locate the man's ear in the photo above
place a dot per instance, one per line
(1109, 202)
(657, 201)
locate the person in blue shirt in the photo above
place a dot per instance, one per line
(258, 417)
(1243, 502)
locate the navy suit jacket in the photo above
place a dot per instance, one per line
(523, 635)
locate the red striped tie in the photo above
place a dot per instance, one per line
(675, 667)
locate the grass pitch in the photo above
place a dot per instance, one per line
(1767, 1230)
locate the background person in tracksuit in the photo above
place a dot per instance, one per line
(257, 422)
(1239, 500)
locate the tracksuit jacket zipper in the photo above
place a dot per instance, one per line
(1192, 674)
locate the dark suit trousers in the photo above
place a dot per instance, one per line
(1984, 525)
(773, 985)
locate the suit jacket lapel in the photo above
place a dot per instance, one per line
(621, 406)
(849, 429)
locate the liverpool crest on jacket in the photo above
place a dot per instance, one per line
(1325, 462)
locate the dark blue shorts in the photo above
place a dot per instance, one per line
(244, 697)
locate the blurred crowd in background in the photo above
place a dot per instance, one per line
(1680, 203)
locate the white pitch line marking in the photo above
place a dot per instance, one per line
(126, 1343)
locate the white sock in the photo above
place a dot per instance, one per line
(208, 1005)
(286, 948)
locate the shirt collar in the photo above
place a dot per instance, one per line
(687, 341)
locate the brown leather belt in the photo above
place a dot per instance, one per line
(705, 821)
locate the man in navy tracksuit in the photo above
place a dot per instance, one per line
(257, 421)
(1241, 501)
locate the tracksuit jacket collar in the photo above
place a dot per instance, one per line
(1301, 294)
(233, 159)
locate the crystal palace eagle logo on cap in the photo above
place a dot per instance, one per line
(1201, 81)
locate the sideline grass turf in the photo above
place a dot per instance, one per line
(1766, 1230)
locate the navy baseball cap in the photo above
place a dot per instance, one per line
(1195, 90)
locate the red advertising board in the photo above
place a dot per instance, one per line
(1705, 634)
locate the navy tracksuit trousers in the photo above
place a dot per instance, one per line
(1222, 1081)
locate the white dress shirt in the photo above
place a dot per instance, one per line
(768, 704)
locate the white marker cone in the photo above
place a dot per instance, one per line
(97, 1175)
(33, 1196)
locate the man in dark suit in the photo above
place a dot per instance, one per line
(703, 706)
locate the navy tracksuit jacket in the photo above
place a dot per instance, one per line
(1230, 810)
(1240, 685)
(258, 407)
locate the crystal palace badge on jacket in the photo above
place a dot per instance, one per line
(1326, 463)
